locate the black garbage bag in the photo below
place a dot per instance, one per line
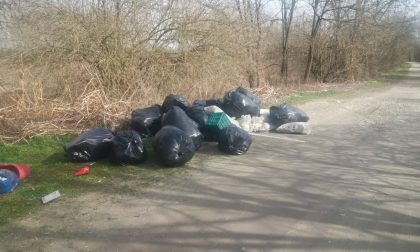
(147, 121)
(234, 140)
(239, 102)
(210, 135)
(173, 146)
(174, 100)
(198, 114)
(250, 95)
(178, 118)
(92, 145)
(127, 148)
(285, 113)
(210, 102)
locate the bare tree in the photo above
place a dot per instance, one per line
(319, 8)
(287, 11)
(250, 14)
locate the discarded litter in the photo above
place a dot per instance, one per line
(210, 102)
(218, 121)
(239, 102)
(173, 146)
(178, 118)
(127, 148)
(50, 197)
(254, 124)
(8, 181)
(285, 113)
(198, 114)
(83, 171)
(178, 129)
(93, 145)
(22, 170)
(212, 109)
(234, 140)
(295, 128)
(174, 100)
(147, 121)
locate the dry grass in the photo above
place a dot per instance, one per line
(33, 110)
(31, 114)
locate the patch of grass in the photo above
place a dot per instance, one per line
(375, 84)
(388, 78)
(309, 96)
(51, 171)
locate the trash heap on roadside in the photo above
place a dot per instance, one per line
(177, 129)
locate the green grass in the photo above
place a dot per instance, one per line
(51, 171)
(309, 96)
(385, 80)
(388, 78)
(399, 72)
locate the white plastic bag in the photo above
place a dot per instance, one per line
(212, 109)
(295, 128)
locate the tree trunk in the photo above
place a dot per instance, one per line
(285, 63)
(309, 61)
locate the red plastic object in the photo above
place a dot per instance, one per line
(22, 170)
(83, 171)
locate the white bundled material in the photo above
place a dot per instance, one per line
(245, 122)
(295, 128)
(214, 109)
(258, 124)
(253, 124)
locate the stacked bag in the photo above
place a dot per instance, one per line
(178, 129)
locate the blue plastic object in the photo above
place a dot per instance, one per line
(8, 181)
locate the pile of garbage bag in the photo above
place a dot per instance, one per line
(177, 129)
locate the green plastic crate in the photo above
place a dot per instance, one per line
(218, 121)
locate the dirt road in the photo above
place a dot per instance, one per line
(354, 184)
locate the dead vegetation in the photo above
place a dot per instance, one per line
(70, 65)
